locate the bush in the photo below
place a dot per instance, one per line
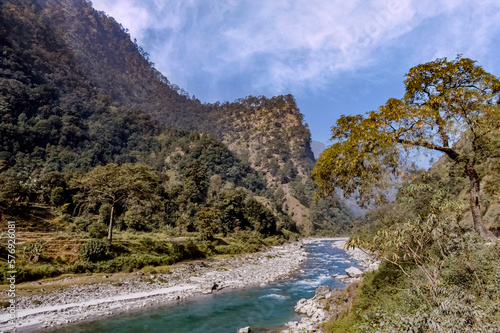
(33, 272)
(94, 250)
(137, 218)
(57, 196)
(131, 263)
(82, 222)
(97, 230)
(149, 270)
(81, 267)
(289, 235)
(190, 251)
(33, 251)
(229, 249)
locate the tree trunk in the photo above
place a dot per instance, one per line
(477, 217)
(111, 219)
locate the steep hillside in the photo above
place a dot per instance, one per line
(66, 66)
(103, 51)
(271, 136)
(270, 133)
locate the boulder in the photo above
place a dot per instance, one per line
(353, 272)
(322, 290)
(372, 267)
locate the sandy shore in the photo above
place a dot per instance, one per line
(135, 291)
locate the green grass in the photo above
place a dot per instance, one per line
(139, 251)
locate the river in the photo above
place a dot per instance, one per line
(265, 308)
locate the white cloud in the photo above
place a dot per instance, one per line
(297, 43)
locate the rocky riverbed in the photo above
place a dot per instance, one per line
(327, 303)
(138, 290)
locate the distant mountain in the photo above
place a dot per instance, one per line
(317, 148)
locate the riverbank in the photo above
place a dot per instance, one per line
(328, 303)
(134, 291)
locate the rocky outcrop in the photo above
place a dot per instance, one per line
(325, 304)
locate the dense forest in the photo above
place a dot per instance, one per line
(101, 153)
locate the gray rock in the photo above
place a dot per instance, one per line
(372, 267)
(322, 290)
(353, 272)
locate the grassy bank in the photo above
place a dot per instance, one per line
(437, 275)
(58, 249)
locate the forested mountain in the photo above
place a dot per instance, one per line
(82, 108)
(84, 67)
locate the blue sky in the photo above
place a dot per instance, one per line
(336, 57)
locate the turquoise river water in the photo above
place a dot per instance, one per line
(265, 309)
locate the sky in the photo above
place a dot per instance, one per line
(336, 57)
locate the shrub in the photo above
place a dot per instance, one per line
(81, 267)
(82, 222)
(94, 250)
(57, 197)
(192, 251)
(149, 270)
(33, 251)
(97, 230)
(34, 272)
(229, 249)
(289, 235)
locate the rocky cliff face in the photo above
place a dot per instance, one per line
(270, 135)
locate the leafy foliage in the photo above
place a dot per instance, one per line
(94, 250)
(444, 100)
(436, 275)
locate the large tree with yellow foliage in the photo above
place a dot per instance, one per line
(444, 101)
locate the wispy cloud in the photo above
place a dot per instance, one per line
(283, 44)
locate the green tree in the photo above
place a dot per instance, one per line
(207, 222)
(444, 101)
(261, 219)
(115, 184)
(196, 182)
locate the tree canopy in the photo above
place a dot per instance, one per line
(115, 185)
(445, 101)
